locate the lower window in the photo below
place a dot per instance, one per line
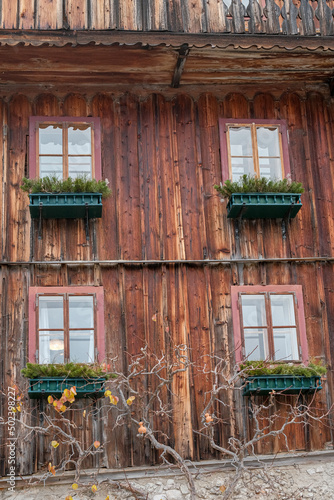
(269, 323)
(66, 324)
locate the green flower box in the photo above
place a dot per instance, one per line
(55, 386)
(65, 205)
(263, 205)
(287, 384)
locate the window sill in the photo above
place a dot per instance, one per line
(263, 205)
(287, 384)
(55, 386)
(65, 205)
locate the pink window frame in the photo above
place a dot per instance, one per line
(257, 289)
(33, 124)
(223, 122)
(84, 290)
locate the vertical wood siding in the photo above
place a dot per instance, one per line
(162, 159)
(189, 16)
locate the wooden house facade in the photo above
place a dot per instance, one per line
(158, 76)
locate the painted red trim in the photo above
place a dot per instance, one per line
(100, 333)
(223, 141)
(35, 120)
(297, 289)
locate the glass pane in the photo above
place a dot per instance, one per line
(82, 346)
(51, 312)
(51, 347)
(50, 140)
(241, 166)
(241, 141)
(253, 310)
(80, 165)
(81, 311)
(270, 168)
(256, 347)
(285, 344)
(268, 141)
(51, 165)
(79, 140)
(282, 310)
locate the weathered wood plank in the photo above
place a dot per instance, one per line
(49, 14)
(17, 217)
(9, 14)
(77, 13)
(187, 162)
(128, 182)
(149, 181)
(26, 15)
(217, 234)
(131, 15)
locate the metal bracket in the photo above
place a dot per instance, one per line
(238, 221)
(40, 221)
(285, 221)
(87, 226)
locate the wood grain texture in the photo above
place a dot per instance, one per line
(161, 156)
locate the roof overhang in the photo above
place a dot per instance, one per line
(112, 58)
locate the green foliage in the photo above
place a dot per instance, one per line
(68, 370)
(52, 184)
(251, 184)
(262, 368)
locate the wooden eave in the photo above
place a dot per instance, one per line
(115, 58)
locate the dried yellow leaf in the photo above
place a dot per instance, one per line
(96, 444)
(75, 486)
(222, 488)
(94, 488)
(55, 444)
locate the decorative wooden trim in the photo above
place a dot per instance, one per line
(258, 289)
(224, 146)
(80, 290)
(96, 142)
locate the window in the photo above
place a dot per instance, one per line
(64, 147)
(269, 323)
(66, 324)
(254, 147)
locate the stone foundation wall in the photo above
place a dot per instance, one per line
(308, 478)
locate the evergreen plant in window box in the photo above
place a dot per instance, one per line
(53, 379)
(52, 198)
(285, 378)
(261, 198)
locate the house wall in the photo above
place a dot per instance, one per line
(161, 155)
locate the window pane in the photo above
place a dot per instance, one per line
(82, 346)
(51, 347)
(256, 347)
(50, 139)
(253, 310)
(240, 141)
(268, 141)
(80, 165)
(51, 165)
(79, 140)
(282, 310)
(51, 313)
(285, 344)
(270, 168)
(241, 166)
(81, 314)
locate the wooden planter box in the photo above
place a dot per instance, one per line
(55, 386)
(65, 205)
(263, 205)
(288, 384)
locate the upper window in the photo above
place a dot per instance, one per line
(254, 147)
(66, 324)
(65, 147)
(268, 323)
